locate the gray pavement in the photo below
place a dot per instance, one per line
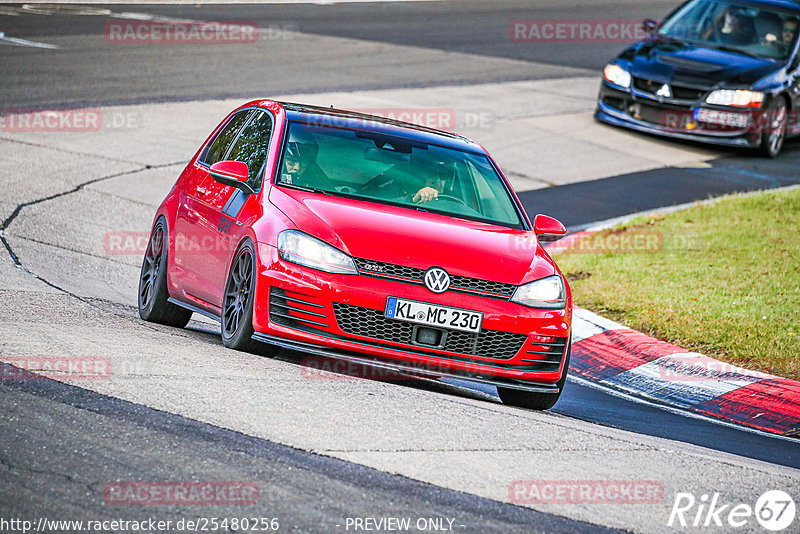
(103, 440)
(309, 47)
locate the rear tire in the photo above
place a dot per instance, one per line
(774, 135)
(536, 401)
(153, 293)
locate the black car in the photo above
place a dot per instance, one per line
(720, 71)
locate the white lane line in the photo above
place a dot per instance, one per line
(25, 42)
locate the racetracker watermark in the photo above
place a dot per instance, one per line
(586, 492)
(67, 120)
(180, 493)
(628, 241)
(321, 368)
(710, 120)
(447, 119)
(55, 367)
(125, 243)
(699, 368)
(176, 32)
(576, 31)
(642, 241)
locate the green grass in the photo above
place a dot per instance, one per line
(722, 279)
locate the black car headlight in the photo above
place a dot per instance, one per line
(615, 74)
(736, 98)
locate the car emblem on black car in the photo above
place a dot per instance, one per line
(437, 280)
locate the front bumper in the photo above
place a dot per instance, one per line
(341, 316)
(638, 111)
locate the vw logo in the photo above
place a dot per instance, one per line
(437, 280)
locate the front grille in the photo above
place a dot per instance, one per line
(296, 310)
(367, 322)
(687, 93)
(546, 352)
(414, 275)
(660, 115)
(679, 92)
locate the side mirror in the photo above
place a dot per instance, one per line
(649, 26)
(232, 173)
(548, 229)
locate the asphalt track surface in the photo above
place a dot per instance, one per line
(43, 421)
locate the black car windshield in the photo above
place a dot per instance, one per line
(395, 170)
(761, 31)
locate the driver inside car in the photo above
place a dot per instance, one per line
(420, 182)
(434, 184)
(300, 164)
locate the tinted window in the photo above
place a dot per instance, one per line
(219, 146)
(252, 146)
(761, 31)
(378, 167)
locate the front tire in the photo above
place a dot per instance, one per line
(237, 303)
(153, 293)
(536, 401)
(775, 120)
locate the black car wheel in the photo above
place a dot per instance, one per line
(536, 401)
(153, 294)
(237, 304)
(774, 124)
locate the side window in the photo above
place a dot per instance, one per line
(252, 146)
(217, 149)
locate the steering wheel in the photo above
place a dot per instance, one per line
(451, 199)
(372, 183)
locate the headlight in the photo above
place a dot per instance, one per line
(738, 98)
(543, 293)
(617, 75)
(300, 248)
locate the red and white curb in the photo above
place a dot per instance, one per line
(607, 353)
(613, 355)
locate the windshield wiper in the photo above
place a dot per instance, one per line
(670, 39)
(304, 188)
(726, 48)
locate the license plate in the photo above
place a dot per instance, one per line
(433, 315)
(723, 118)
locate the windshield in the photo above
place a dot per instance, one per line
(395, 170)
(756, 31)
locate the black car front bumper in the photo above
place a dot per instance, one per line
(641, 112)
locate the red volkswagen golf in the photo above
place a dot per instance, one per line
(360, 238)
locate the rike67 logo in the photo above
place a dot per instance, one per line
(775, 511)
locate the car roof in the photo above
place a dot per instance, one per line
(373, 123)
(790, 5)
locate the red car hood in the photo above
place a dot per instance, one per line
(416, 239)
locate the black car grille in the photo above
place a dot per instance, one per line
(679, 92)
(546, 351)
(414, 275)
(293, 310)
(660, 115)
(366, 322)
